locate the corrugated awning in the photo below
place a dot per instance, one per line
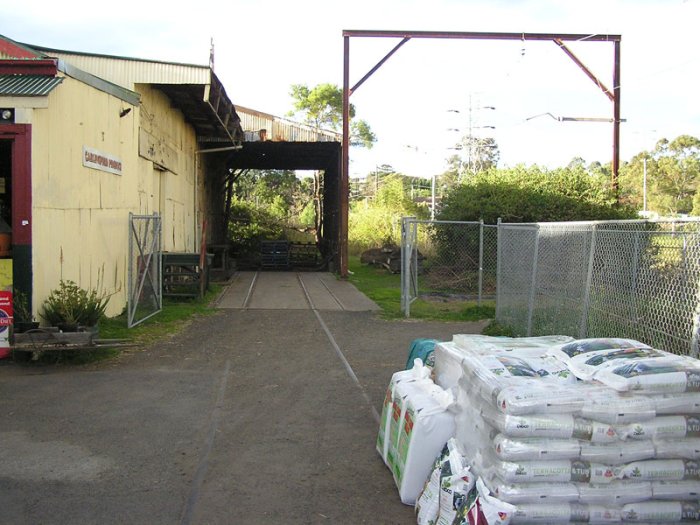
(208, 108)
(27, 85)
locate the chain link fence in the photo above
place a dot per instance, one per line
(447, 261)
(634, 279)
(145, 284)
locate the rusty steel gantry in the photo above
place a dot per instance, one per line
(558, 38)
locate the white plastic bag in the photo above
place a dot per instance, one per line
(428, 503)
(483, 509)
(662, 511)
(510, 449)
(660, 470)
(677, 448)
(517, 493)
(455, 486)
(676, 490)
(615, 493)
(665, 374)
(565, 513)
(419, 372)
(556, 471)
(664, 427)
(558, 426)
(567, 351)
(424, 425)
(617, 453)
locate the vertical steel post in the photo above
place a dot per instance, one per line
(533, 282)
(414, 257)
(616, 119)
(404, 267)
(499, 241)
(481, 259)
(345, 164)
(589, 281)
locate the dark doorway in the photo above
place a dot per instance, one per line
(5, 184)
(271, 155)
(16, 201)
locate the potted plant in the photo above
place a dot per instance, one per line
(72, 308)
(23, 318)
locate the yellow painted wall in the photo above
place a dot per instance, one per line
(80, 214)
(169, 192)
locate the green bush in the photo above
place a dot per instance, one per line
(71, 304)
(377, 222)
(533, 194)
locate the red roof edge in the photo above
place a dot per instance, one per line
(48, 67)
(10, 48)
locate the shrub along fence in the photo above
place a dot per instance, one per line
(447, 260)
(637, 279)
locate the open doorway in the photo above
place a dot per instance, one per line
(16, 203)
(313, 248)
(5, 188)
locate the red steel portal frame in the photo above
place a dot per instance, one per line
(558, 38)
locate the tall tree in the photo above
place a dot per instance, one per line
(475, 154)
(672, 175)
(322, 106)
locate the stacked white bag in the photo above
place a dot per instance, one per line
(589, 431)
(414, 426)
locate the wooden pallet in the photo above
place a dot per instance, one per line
(43, 340)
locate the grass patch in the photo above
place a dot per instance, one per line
(171, 320)
(384, 288)
(495, 328)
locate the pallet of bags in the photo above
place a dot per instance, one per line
(448, 355)
(618, 443)
(414, 426)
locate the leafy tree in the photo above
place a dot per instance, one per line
(678, 173)
(475, 155)
(673, 174)
(321, 107)
(376, 222)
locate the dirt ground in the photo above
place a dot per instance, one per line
(247, 416)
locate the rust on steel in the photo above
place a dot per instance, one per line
(559, 38)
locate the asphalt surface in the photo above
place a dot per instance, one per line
(253, 415)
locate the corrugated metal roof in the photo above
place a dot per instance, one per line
(281, 129)
(27, 85)
(127, 72)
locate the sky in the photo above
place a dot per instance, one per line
(431, 92)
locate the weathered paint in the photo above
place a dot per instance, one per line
(127, 72)
(80, 214)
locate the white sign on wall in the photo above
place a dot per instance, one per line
(95, 159)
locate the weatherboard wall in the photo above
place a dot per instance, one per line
(80, 212)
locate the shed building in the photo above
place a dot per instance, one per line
(87, 139)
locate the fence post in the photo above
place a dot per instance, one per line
(406, 258)
(481, 259)
(589, 280)
(404, 290)
(533, 282)
(498, 266)
(414, 259)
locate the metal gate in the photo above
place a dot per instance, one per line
(145, 283)
(447, 260)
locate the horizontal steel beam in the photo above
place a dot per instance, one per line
(481, 35)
